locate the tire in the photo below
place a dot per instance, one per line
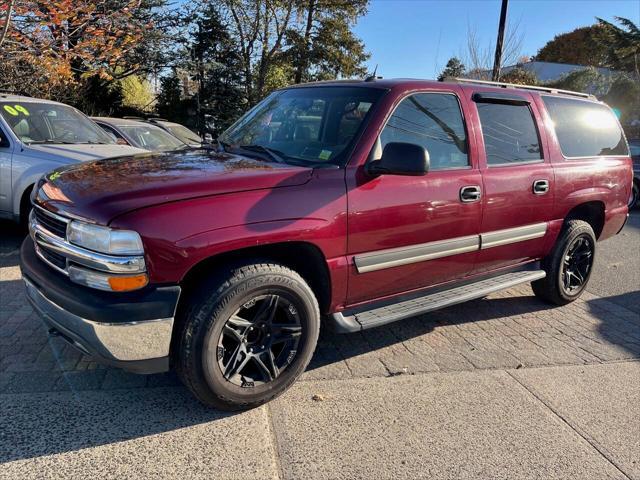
(634, 202)
(560, 265)
(233, 336)
(25, 209)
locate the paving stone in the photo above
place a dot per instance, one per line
(115, 378)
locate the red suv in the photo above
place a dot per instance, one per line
(357, 202)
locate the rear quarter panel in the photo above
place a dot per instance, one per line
(605, 179)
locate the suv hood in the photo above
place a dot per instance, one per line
(103, 189)
(81, 152)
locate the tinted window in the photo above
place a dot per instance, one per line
(509, 133)
(434, 121)
(308, 125)
(585, 129)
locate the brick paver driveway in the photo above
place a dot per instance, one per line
(123, 424)
(511, 329)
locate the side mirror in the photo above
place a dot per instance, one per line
(401, 159)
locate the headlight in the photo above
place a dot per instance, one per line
(104, 239)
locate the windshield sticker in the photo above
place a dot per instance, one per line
(22, 110)
(325, 155)
(11, 111)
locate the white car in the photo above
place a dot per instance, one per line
(37, 136)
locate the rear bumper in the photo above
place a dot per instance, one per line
(131, 331)
(614, 221)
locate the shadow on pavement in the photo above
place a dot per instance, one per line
(100, 407)
(11, 236)
(51, 423)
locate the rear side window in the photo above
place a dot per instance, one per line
(434, 121)
(585, 129)
(509, 132)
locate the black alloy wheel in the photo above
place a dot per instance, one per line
(577, 264)
(259, 341)
(246, 334)
(568, 265)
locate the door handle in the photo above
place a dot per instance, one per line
(470, 194)
(540, 187)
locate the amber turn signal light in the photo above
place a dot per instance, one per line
(125, 284)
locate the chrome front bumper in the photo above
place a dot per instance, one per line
(141, 346)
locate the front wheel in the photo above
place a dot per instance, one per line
(248, 336)
(569, 264)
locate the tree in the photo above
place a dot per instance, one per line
(519, 76)
(624, 44)
(58, 48)
(582, 46)
(170, 103)
(136, 93)
(454, 68)
(324, 45)
(479, 56)
(217, 64)
(290, 41)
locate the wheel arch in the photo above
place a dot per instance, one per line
(303, 257)
(592, 212)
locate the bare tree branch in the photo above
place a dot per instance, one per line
(7, 22)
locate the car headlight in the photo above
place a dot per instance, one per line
(104, 239)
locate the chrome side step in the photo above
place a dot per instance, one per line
(345, 323)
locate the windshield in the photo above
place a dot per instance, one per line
(51, 123)
(151, 138)
(183, 133)
(312, 125)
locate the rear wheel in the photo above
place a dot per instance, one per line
(248, 336)
(635, 195)
(569, 264)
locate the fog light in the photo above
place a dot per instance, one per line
(106, 281)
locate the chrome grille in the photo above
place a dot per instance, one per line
(53, 257)
(49, 236)
(53, 224)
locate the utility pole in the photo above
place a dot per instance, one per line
(500, 41)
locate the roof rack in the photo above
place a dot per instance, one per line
(157, 119)
(132, 117)
(525, 87)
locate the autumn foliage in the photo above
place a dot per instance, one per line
(54, 44)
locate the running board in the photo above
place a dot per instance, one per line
(430, 302)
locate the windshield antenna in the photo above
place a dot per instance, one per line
(373, 77)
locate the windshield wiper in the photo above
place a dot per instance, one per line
(51, 141)
(274, 154)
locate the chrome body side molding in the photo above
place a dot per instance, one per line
(395, 257)
(512, 235)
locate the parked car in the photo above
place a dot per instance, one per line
(37, 136)
(366, 202)
(634, 146)
(183, 133)
(140, 134)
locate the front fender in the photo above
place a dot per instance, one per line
(26, 171)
